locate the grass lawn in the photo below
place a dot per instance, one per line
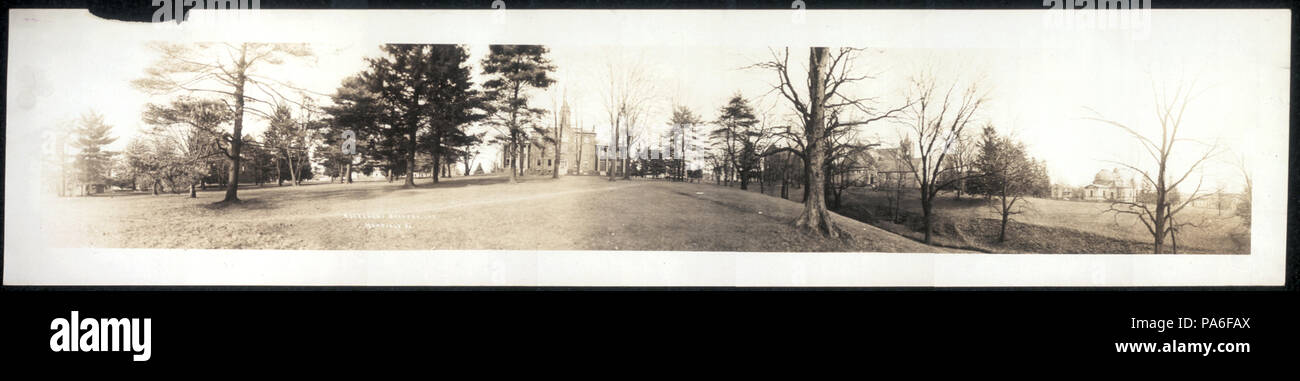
(1045, 226)
(468, 213)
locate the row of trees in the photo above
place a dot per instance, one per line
(415, 101)
(939, 157)
(815, 150)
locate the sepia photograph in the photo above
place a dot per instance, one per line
(650, 147)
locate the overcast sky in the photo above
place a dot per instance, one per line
(1041, 78)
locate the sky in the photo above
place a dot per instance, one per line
(1041, 77)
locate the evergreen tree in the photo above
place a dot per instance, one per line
(738, 137)
(92, 162)
(423, 95)
(515, 69)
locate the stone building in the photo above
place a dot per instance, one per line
(1112, 185)
(882, 169)
(577, 150)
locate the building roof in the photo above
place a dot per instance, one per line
(1115, 177)
(887, 160)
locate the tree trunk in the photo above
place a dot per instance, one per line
(807, 177)
(1173, 241)
(815, 217)
(559, 136)
(1002, 233)
(521, 159)
(685, 170)
(237, 133)
(1162, 194)
(437, 157)
(627, 161)
(514, 158)
(613, 152)
(577, 165)
(293, 169)
(410, 158)
(785, 181)
(926, 203)
(236, 143)
(193, 193)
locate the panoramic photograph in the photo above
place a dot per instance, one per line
(1065, 143)
(1070, 180)
(244, 145)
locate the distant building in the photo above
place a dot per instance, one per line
(1062, 192)
(1112, 185)
(608, 157)
(1218, 200)
(883, 169)
(577, 150)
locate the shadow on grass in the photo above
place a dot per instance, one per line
(464, 182)
(116, 194)
(241, 204)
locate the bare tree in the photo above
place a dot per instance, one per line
(189, 131)
(1161, 219)
(229, 71)
(561, 119)
(822, 111)
(965, 154)
(626, 95)
(683, 123)
(633, 131)
(1243, 206)
(1243, 203)
(938, 118)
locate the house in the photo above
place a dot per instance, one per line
(1062, 192)
(882, 169)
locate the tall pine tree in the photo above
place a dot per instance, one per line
(92, 162)
(515, 69)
